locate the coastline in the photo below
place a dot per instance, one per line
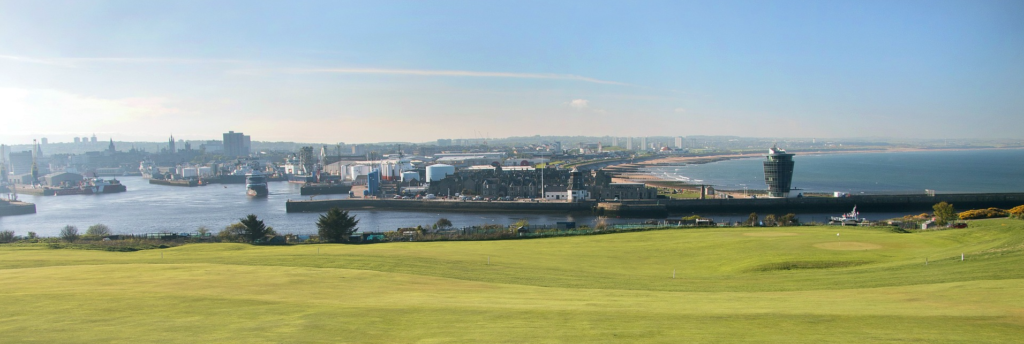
(632, 172)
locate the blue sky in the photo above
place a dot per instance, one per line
(417, 71)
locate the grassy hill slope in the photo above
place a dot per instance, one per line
(796, 284)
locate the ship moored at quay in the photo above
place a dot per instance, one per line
(86, 187)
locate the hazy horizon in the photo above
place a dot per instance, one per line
(418, 71)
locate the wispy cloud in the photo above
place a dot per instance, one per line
(24, 59)
(579, 103)
(78, 61)
(458, 73)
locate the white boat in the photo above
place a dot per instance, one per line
(849, 219)
(256, 185)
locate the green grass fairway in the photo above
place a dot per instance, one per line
(753, 285)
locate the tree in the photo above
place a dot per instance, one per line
(944, 213)
(69, 233)
(6, 236)
(234, 232)
(255, 229)
(336, 226)
(202, 230)
(443, 223)
(751, 220)
(98, 230)
(770, 220)
(789, 220)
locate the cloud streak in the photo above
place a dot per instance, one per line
(24, 59)
(459, 73)
(72, 62)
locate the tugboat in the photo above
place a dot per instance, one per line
(849, 219)
(256, 184)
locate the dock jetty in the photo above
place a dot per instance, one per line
(10, 208)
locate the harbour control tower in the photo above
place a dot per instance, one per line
(778, 172)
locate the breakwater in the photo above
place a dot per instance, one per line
(868, 203)
(865, 203)
(16, 208)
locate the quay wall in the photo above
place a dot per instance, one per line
(438, 205)
(17, 208)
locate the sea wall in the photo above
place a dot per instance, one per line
(17, 208)
(869, 203)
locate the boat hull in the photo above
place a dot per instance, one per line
(175, 182)
(257, 191)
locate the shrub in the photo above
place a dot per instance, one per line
(983, 214)
(69, 233)
(1017, 212)
(6, 236)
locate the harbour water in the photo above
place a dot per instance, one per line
(989, 170)
(147, 208)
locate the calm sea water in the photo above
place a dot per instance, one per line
(995, 170)
(147, 208)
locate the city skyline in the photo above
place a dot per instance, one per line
(417, 72)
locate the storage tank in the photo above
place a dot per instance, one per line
(342, 171)
(439, 171)
(189, 172)
(407, 176)
(358, 170)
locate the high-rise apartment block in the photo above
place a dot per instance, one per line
(236, 144)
